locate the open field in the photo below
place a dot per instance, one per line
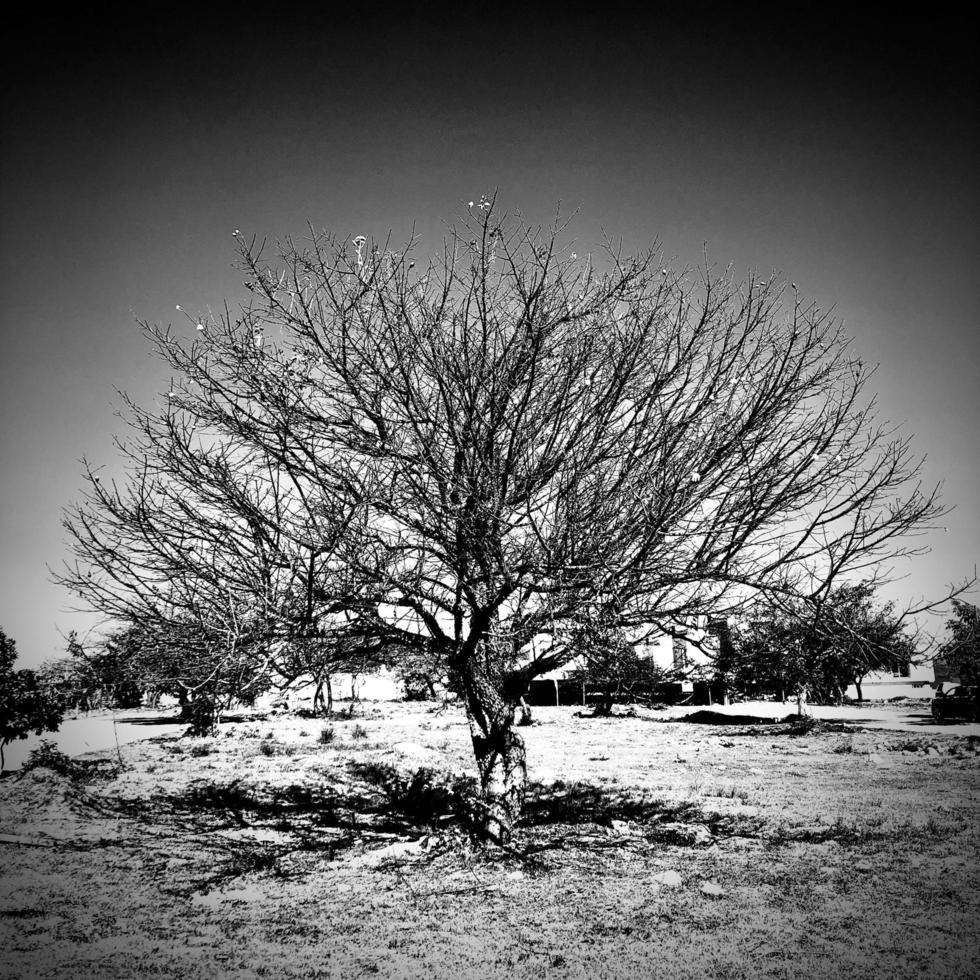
(290, 847)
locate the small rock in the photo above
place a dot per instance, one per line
(412, 750)
(712, 889)
(405, 849)
(619, 826)
(668, 879)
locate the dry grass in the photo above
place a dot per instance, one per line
(268, 852)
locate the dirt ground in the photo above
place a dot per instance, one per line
(651, 847)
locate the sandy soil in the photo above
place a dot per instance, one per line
(650, 848)
(102, 731)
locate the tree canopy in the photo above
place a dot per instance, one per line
(25, 707)
(474, 457)
(820, 648)
(961, 650)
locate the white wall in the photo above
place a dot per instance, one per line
(882, 685)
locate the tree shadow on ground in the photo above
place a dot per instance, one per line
(707, 717)
(242, 827)
(371, 798)
(155, 720)
(365, 798)
(255, 827)
(792, 725)
(585, 803)
(178, 719)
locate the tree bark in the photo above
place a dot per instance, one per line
(802, 708)
(502, 764)
(500, 756)
(525, 716)
(323, 705)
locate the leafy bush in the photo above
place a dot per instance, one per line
(25, 707)
(48, 756)
(418, 686)
(801, 724)
(613, 668)
(424, 798)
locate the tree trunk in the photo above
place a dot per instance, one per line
(499, 752)
(525, 717)
(353, 695)
(802, 708)
(502, 764)
(604, 706)
(323, 705)
(857, 684)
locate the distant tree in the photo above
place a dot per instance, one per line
(66, 683)
(422, 677)
(179, 659)
(816, 648)
(613, 669)
(25, 706)
(724, 658)
(317, 658)
(961, 651)
(485, 450)
(94, 674)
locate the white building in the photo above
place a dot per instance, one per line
(915, 681)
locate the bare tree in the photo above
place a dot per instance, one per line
(818, 647)
(613, 668)
(476, 456)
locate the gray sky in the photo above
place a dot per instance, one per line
(132, 149)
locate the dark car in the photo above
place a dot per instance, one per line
(958, 703)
